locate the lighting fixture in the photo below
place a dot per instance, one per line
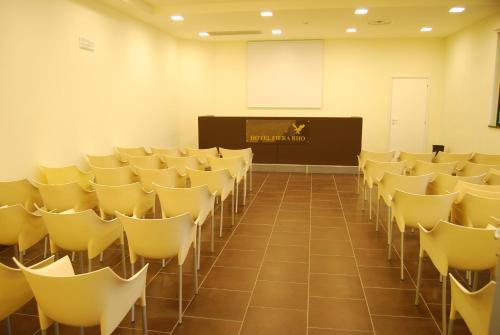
(177, 18)
(277, 32)
(351, 30)
(425, 29)
(361, 11)
(266, 13)
(456, 9)
(203, 34)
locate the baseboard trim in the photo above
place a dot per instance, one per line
(301, 168)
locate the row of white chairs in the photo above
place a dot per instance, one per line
(427, 202)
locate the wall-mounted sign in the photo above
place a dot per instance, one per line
(278, 131)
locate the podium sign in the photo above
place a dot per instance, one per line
(289, 131)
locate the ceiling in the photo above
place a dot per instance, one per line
(311, 19)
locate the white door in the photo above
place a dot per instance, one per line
(408, 118)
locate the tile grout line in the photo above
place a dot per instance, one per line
(220, 253)
(355, 260)
(263, 257)
(309, 258)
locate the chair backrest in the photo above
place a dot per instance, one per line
(448, 157)
(463, 187)
(247, 154)
(104, 161)
(466, 248)
(75, 231)
(122, 152)
(95, 298)
(478, 208)
(130, 199)
(235, 165)
(374, 170)
(411, 184)
(374, 156)
(412, 157)
(203, 154)
(159, 238)
(114, 176)
(474, 307)
(445, 183)
(176, 201)
(427, 210)
(475, 169)
(18, 226)
(219, 182)
(422, 167)
(174, 152)
(181, 163)
(67, 174)
(489, 159)
(163, 177)
(145, 162)
(493, 177)
(62, 197)
(15, 291)
(20, 192)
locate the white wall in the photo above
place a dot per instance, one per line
(471, 88)
(357, 82)
(58, 102)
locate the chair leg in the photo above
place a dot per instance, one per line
(8, 325)
(389, 223)
(143, 262)
(180, 293)
(233, 208)
(56, 328)
(132, 310)
(370, 202)
(81, 255)
(101, 257)
(364, 191)
(389, 241)
(450, 327)
(82, 331)
(378, 211)
(251, 178)
(221, 217)
(419, 277)
(237, 194)
(196, 268)
(245, 190)
(45, 246)
(16, 251)
(89, 265)
(144, 320)
(213, 233)
(21, 257)
(124, 264)
(443, 304)
(475, 280)
(359, 174)
(73, 256)
(198, 250)
(402, 254)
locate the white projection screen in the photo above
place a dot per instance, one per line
(285, 74)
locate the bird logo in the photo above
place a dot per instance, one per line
(298, 129)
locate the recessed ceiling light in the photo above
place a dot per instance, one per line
(456, 9)
(351, 30)
(266, 13)
(203, 34)
(177, 18)
(361, 11)
(277, 32)
(426, 29)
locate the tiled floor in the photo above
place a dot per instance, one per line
(303, 258)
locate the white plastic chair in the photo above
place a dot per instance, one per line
(414, 210)
(175, 152)
(20, 192)
(220, 183)
(14, 290)
(237, 168)
(20, 228)
(365, 155)
(104, 161)
(163, 177)
(114, 176)
(99, 298)
(122, 152)
(182, 163)
(448, 157)
(453, 246)
(445, 183)
(63, 197)
(412, 157)
(160, 239)
(490, 159)
(422, 167)
(197, 201)
(493, 177)
(475, 169)
(247, 154)
(65, 175)
(203, 154)
(83, 231)
(477, 209)
(145, 162)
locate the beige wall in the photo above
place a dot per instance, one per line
(357, 82)
(58, 102)
(471, 88)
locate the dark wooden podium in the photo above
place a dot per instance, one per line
(332, 140)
